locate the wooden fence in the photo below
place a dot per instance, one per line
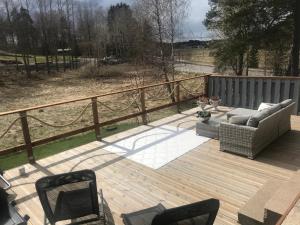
(249, 92)
(52, 66)
(177, 91)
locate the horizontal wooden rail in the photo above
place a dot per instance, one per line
(97, 123)
(90, 128)
(97, 96)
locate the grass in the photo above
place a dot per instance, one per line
(200, 56)
(43, 151)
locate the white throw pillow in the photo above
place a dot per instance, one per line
(264, 105)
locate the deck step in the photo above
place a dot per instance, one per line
(294, 216)
(283, 200)
(252, 213)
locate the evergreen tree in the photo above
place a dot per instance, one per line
(253, 24)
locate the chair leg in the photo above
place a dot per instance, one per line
(102, 206)
(46, 221)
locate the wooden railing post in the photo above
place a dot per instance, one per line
(178, 96)
(96, 118)
(26, 135)
(143, 106)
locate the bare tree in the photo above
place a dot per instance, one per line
(43, 23)
(176, 12)
(165, 16)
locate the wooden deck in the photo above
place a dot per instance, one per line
(203, 173)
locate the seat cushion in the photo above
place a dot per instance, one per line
(73, 204)
(285, 103)
(239, 120)
(254, 120)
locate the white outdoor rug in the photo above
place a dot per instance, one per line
(157, 147)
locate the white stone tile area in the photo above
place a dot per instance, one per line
(156, 147)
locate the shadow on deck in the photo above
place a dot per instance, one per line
(204, 172)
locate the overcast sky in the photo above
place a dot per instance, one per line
(193, 27)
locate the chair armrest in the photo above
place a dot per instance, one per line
(237, 134)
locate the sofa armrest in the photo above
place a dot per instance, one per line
(238, 135)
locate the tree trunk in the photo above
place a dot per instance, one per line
(70, 63)
(35, 64)
(265, 63)
(17, 63)
(56, 62)
(26, 65)
(162, 54)
(296, 41)
(240, 64)
(64, 60)
(47, 64)
(247, 64)
(172, 45)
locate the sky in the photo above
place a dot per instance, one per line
(193, 27)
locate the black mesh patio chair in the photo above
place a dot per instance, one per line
(8, 213)
(71, 196)
(199, 213)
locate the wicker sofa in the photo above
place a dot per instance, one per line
(248, 140)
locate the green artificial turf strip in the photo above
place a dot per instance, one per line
(43, 151)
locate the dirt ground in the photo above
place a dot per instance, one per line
(17, 91)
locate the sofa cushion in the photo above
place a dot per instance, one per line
(285, 103)
(254, 120)
(274, 108)
(239, 120)
(240, 112)
(264, 105)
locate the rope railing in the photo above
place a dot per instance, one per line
(157, 92)
(119, 110)
(130, 98)
(9, 127)
(191, 92)
(68, 124)
(64, 125)
(46, 123)
(162, 98)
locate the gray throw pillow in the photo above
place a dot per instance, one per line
(239, 120)
(285, 103)
(253, 121)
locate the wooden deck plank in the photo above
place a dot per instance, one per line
(202, 173)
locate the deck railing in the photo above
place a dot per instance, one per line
(22, 116)
(234, 91)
